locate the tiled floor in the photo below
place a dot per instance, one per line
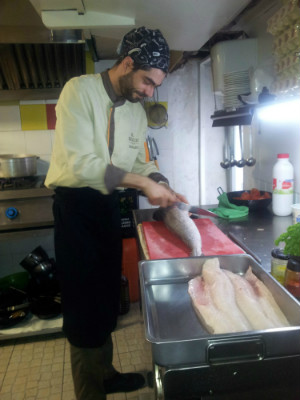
(38, 368)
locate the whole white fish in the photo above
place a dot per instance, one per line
(179, 222)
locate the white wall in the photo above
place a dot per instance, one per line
(178, 142)
(212, 175)
(271, 139)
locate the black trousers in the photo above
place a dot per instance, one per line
(88, 251)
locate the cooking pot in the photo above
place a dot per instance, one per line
(18, 165)
(34, 258)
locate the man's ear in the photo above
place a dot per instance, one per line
(127, 63)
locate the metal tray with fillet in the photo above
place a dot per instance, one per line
(175, 332)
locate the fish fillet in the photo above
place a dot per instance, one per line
(248, 302)
(223, 295)
(179, 222)
(213, 319)
(266, 300)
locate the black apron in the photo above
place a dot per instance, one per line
(88, 250)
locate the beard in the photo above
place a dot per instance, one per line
(127, 90)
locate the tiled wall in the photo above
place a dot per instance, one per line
(27, 127)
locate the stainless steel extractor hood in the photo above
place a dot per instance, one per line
(35, 62)
(35, 66)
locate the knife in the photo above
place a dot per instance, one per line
(148, 140)
(194, 209)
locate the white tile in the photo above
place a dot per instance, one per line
(38, 142)
(12, 142)
(52, 134)
(10, 119)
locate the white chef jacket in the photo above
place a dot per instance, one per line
(98, 138)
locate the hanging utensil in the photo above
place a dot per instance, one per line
(242, 162)
(157, 114)
(226, 162)
(233, 162)
(148, 140)
(155, 152)
(251, 160)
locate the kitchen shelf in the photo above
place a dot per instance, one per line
(32, 326)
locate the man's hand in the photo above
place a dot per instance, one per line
(157, 194)
(182, 198)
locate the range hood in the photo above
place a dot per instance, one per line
(35, 62)
(29, 70)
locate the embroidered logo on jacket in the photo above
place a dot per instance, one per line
(133, 142)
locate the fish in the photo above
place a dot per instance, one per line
(227, 302)
(213, 319)
(179, 222)
(266, 300)
(248, 302)
(223, 295)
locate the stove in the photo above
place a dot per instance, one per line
(25, 203)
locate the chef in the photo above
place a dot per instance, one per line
(98, 147)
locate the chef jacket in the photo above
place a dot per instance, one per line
(98, 137)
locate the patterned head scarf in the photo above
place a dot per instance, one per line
(146, 47)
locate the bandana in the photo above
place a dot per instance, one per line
(146, 47)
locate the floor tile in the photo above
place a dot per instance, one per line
(39, 367)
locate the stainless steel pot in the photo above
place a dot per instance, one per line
(17, 165)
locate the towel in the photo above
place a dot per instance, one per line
(228, 210)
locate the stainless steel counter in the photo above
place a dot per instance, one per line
(257, 231)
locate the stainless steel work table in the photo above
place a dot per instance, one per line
(228, 379)
(257, 231)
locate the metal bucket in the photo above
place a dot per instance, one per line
(18, 165)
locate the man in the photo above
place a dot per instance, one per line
(99, 146)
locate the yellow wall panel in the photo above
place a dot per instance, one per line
(90, 65)
(33, 117)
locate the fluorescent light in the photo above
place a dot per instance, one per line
(288, 111)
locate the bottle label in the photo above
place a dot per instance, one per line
(283, 186)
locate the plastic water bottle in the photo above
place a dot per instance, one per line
(283, 186)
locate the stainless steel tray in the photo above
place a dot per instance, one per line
(176, 334)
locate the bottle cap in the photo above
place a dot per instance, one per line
(283, 155)
(294, 264)
(278, 253)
